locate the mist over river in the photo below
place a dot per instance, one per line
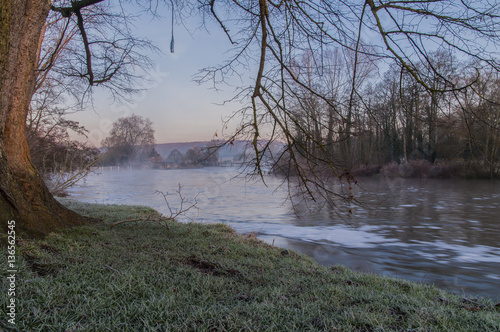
(445, 232)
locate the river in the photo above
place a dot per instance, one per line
(445, 232)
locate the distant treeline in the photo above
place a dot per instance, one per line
(196, 156)
(395, 126)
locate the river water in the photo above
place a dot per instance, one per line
(445, 232)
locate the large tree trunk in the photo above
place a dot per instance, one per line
(23, 194)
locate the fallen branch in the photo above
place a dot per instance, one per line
(174, 213)
(182, 210)
(161, 220)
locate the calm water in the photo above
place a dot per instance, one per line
(445, 232)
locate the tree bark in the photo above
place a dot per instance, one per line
(23, 194)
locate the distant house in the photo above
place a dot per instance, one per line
(156, 159)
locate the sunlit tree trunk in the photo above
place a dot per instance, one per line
(23, 194)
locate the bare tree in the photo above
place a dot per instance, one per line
(61, 160)
(399, 34)
(480, 112)
(130, 138)
(175, 156)
(104, 54)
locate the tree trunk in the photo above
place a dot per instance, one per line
(23, 194)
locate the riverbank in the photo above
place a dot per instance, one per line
(178, 276)
(451, 169)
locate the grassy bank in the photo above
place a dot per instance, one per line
(192, 277)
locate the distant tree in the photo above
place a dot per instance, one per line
(205, 156)
(130, 138)
(154, 156)
(175, 156)
(211, 157)
(194, 155)
(479, 132)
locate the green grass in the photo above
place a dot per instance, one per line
(193, 277)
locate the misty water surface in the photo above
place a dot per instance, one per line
(444, 232)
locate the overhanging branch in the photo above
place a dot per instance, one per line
(75, 7)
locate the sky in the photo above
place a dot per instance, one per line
(181, 110)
